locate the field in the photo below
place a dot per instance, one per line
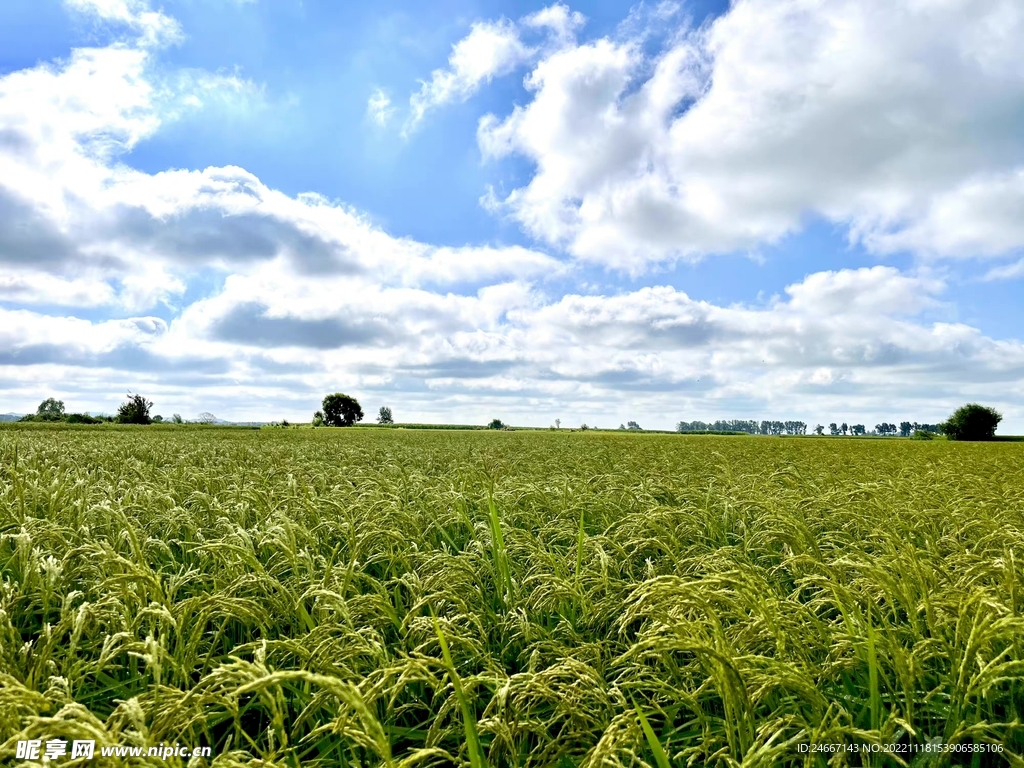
(413, 598)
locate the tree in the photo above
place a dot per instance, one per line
(833, 429)
(206, 418)
(50, 410)
(972, 422)
(844, 428)
(158, 419)
(819, 430)
(495, 424)
(584, 427)
(318, 419)
(906, 428)
(632, 425)
(558, 423)
(341, 410)
(384, 416)
(857, 429)
(135, 410)
(176, 418)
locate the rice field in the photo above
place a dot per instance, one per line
(409, 598)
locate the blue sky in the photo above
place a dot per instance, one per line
(594, 212)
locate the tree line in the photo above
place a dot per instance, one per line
(969, 422)
(749, 427)
(135, 410)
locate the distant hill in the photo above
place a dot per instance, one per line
(10, 416)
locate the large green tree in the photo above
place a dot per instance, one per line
(341, 410)
(50, 410)
(135, 410)
(972, 422)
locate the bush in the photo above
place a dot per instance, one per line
(921, 434)
(972, 422)
(82, 418)
(135, 410)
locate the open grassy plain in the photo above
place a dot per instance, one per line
(383, 597)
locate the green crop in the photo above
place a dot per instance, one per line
(367, 597)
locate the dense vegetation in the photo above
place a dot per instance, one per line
(383, 597)
(973, 422)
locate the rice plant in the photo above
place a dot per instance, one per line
(403, 598)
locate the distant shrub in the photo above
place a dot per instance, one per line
(921, 434)
(82, 418)
(135, 410)
(972, 422)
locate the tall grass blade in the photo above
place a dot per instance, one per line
(476, 755)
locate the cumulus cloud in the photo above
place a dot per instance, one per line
(24, 329)
(898, 120)
(558, 19)
(490, 49)
(69, 209)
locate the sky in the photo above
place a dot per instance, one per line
(463, 210)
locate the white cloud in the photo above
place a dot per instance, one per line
(30, 287)
(79, 228)
(983, 216)
(1006, 272)
(23, 329)
(153, 27)
(900, 120)
(378, 107)
(490, 49)
(557, 18)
